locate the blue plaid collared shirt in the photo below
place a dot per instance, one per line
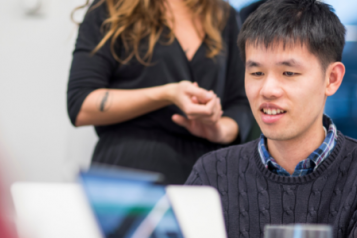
(313, 160)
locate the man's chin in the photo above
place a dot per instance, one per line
(277, 136)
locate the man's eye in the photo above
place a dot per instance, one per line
(289, 74)
(257, 74)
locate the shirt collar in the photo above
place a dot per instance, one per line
(311, 162)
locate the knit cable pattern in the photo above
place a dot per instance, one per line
(252, 196)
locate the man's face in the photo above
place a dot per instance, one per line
(286, 90)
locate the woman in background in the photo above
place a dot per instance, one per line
(161, 81)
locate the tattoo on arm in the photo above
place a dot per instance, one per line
(104, 101)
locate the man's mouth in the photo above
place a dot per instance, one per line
(272, 111)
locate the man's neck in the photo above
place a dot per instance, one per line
(289, 153)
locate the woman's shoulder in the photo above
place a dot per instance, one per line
(232, 11)
(97, 13)
(90, 29)
(231, 20)
(231, 27)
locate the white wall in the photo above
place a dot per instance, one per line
(37, 141)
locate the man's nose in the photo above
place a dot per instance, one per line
(272, 88)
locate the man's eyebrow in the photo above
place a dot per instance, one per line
(250, 64)
(290, 63)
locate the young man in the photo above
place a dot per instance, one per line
(301, 170)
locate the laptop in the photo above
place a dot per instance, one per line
(117, 203)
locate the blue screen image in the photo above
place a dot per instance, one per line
(127, 208)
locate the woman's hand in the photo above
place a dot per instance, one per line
(224, 131)
(197, 103)
(204, 113)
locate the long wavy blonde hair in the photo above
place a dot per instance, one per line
(134, 20)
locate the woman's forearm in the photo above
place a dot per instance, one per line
(109, 106)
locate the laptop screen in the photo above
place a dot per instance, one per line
(127, 207)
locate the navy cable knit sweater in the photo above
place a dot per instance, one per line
(252, 196)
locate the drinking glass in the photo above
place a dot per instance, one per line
(298, 231)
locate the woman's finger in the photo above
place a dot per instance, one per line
(202, 95)
(194, 100)
(210, 119)
(180, 120)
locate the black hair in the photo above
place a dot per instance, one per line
(308, 22)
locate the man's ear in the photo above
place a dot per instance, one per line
(334, 77)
